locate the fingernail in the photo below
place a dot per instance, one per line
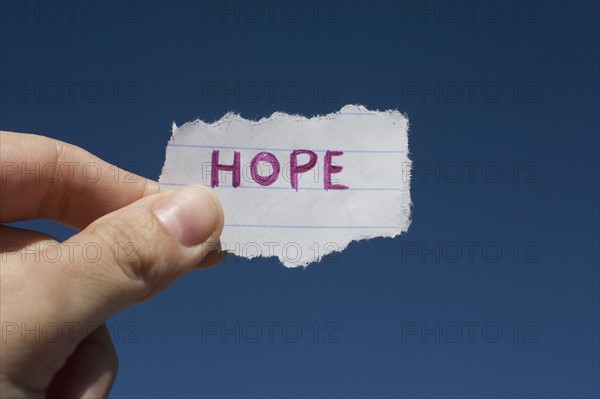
(190, 214)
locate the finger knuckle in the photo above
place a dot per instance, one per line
(125, 244)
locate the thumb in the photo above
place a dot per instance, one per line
(131, 254)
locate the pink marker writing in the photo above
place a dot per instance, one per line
(296, 169)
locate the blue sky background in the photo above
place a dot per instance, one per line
(503, 101)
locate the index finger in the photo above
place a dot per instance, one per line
(46, 178)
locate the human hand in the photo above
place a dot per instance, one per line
(134, 242)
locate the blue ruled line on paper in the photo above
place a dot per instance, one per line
(299, 188)
(309, 227)
(283, 149)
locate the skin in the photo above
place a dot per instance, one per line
(147, 240)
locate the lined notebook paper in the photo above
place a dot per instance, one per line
(298, 188)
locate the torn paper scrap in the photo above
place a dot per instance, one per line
(298, 188)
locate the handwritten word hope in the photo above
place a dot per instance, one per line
(295, 168)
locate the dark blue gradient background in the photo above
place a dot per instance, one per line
(545, 58)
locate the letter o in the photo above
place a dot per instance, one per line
(264, 157)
